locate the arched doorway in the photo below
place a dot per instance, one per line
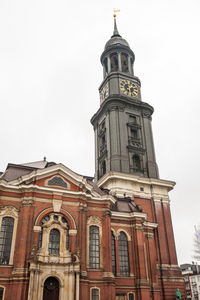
(51, 289)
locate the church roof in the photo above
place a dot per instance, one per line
(125, 204)
(14, 171)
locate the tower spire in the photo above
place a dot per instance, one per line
(115, 32)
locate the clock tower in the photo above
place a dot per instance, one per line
(122, 125)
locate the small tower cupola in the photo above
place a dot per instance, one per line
(117, 55)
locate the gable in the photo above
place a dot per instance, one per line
(58, 181)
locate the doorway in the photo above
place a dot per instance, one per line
(51, 289)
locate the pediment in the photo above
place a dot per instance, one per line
(58, 177)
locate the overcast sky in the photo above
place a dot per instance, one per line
(50, 72)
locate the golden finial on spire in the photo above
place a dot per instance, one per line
(115, 11)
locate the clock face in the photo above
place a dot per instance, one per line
(128, 88)
(104, 93)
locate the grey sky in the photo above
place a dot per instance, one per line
(50, 73)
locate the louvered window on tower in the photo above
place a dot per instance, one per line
(124, 60)
(105, 63)
(114, 62)
(6, 239)
(94, 249)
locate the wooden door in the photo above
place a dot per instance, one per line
(51, 289)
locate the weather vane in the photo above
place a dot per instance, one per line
(115, 11)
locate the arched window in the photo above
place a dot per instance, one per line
(130, 296)
(113, 254)
(1, 293)
(94, 249)
(124, 60)
(51, 218)
(6, 239)
(123, 255)
(54, 242)
(114, 62)
(136, 162)
(95, 294)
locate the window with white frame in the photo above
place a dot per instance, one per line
(6, 234)
(54, 242)
(94, 247)
(130, 296)
(54, 235)
(8, 229)
(123, 255)
(1, 293)
(95, 294)
(113, 253)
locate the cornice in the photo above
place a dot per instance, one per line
(125, 215)
(55, 192)
(135, 179)
(118, 100)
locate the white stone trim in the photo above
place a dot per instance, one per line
(128, 215)
(150, 224)
(124, 231)
(142, 180)
(46, 209)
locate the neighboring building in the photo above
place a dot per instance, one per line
(67, 236)
(191, 274)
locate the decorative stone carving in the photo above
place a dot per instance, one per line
(57, 205)
(27, 201)
(10, 211)
(94, 220)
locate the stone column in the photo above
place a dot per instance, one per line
(117, 257)
(109, 64)
(82, 238)
(119, 62)
(71, 285)
(30, 289)
(129, 65)
(142, 273)
(77, 285)
(107, 257)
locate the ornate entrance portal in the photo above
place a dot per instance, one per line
(51, 289)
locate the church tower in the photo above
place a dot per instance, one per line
(122, 125)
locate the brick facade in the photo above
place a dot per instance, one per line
(153, 269)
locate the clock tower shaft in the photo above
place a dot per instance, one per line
(122, 125)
